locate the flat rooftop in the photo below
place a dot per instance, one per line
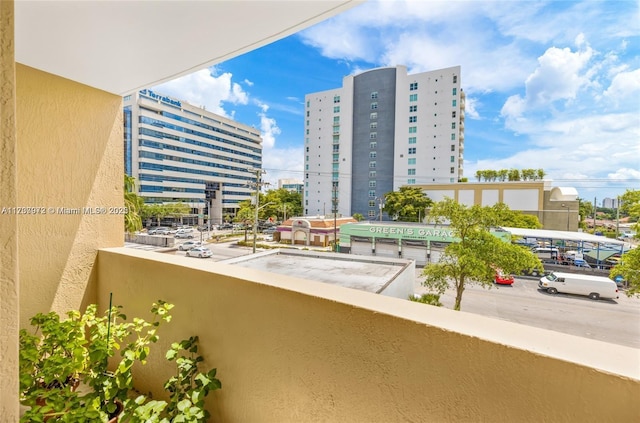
(370, 274)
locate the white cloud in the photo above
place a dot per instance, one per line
(268, 128)
(206, 89)
(283, 163)
(470, 108)
(624, 85)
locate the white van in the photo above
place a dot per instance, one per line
(595, 287)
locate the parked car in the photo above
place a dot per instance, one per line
(595, 287)
(268, 238)
(189, 245)
(183, 235)
(225, 226)
(201, 252)
(502, 278)
(159, 231)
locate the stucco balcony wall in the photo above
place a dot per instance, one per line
(292, 350)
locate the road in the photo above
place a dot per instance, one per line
(613, 321)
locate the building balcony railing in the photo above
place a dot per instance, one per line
(289, 349)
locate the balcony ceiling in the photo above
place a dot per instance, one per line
(121, 46)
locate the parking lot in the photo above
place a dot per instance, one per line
(611, 321)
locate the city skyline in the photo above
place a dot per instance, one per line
(549, 85)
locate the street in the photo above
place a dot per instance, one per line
(611, 321)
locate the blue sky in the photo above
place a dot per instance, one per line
(550, 85)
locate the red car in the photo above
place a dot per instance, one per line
(502, 279)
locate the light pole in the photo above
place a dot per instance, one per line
(568, 213)
(380, 206)
(258, 185)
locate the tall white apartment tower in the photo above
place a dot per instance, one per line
(382, 130)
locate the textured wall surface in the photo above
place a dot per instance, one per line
(70, 146)
(291, 350)
(9, 285)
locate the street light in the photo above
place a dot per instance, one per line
(568, 213)
(380, 206)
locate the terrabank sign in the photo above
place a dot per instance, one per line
(162, 98)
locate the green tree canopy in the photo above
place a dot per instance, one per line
(478, 253)
(409, 204)
(629, 266)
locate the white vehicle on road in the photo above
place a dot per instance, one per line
(189, 245)
(595, 287)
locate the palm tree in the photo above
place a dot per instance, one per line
(133, 204)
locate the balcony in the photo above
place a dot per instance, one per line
(335, 354)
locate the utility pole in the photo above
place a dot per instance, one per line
(258, 185)
(595, 208)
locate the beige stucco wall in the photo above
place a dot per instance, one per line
(70, 154)
(290, 350)
(9, 282)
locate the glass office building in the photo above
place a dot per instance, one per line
(182, 153)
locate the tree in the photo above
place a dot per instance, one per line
(585, 209)
(478, 253)
(408, 204)
(629, 266)
(629, 269)
(133, 204)
(283, 203)
(630, 206)
(358, 216)
(517, 219)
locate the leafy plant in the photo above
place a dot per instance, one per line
(428, 298)
(82, 348)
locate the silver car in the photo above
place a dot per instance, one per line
(201, 252)
(185, 246)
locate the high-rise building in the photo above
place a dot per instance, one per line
(182, 153)
(381, 130)
(292, 185)
(610, 203)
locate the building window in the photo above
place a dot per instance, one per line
(372, 193)
(336, 138)
(307, 132)
(413, 109)
(373, 154)
(336, 157)
(411, 161)
(453, 170)
(453, 114)
(336, 148)
(412, 150)
(413, 97)
(412, 140)
(411, 172)
(453, 147)
(373, 135)
(453, 125)
(453, 137)
(336, 99)
(372, 203)
(374, 95)
(372, 214)
(373, 125)
(372, 184)
(308, 103)
(413, 129)
(454, 103)
(455, 79)
(307, 123)
(411, 181)
(453, 159)
(372, 165)
(373, 116)
(336, 109)
(372, 174)
(455, 91)
(306, 167)
(336, 119)
(373, 145)
(413, 86)
(307, 158)
(374, 105)
(413, 119)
